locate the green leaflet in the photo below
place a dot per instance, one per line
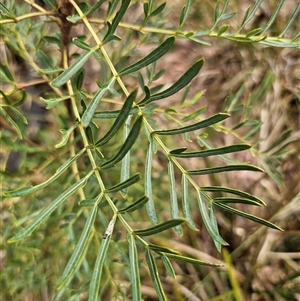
(160, 249)
(181, 83)
(155, 276)
(235, 201)
(233, 191)
(213, 152)
(185, 203)
(184, 13)
(214, 223)
(160, 227)
(196, 126)
(29, 190)
(291, 20)
(210, 227)
(136, 205)
(134, 270)
(212, 170)
(247, 215)
(6, 12)
(168, 265)
(124, 184)
(91, 108)
(118, 17)
(173, 196)
(124, 113)
(97, 273)
(10, 120)
(126, 146)
(80, 248)
(66, 135)
(162, 49)
(113, 114)
(150, 206)
(49, 209)
(192, 260)
(67, 74)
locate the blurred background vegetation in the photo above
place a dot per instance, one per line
(262, 264)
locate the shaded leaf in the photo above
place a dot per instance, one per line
(247, 215)
(123, 114)
(114, 114)
(124, 184)
(214, 152)
(206, 171)
(214, 223)
(196, 126)
(235, 201)
(134, 133)
(49, 209)
(80, 249)
(162, 49)
(155, 276)
(181, 83)
(134, 270)
(161, 249)
(168, 265)
(136, 205)
(32, 189)
(160, 227)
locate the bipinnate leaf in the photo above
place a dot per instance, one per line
(206, 171)
(196, 126)
(32, 189)
(80, 248)
(173, 196)
(134, 270)
(160, 227)
(210, 227)
(136, 205)
(123, 114)
(192, 260)
(124, 184)
(155, 276)
(247, 215)
(49, 209)
(92, 106)
(134, 133)
(150, 206)
(161, 50)
(214, 152)
(72, 70)
(222, 189)
(185, 203)
(118, 17)
(184, 80)
(97, 273)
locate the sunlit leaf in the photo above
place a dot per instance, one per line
(184, 13)
(4, 11)
(161, 249)
(72, 70)
(66, 135)
(235, 201)
(160, 227)
(91, 108)
(168, 265)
